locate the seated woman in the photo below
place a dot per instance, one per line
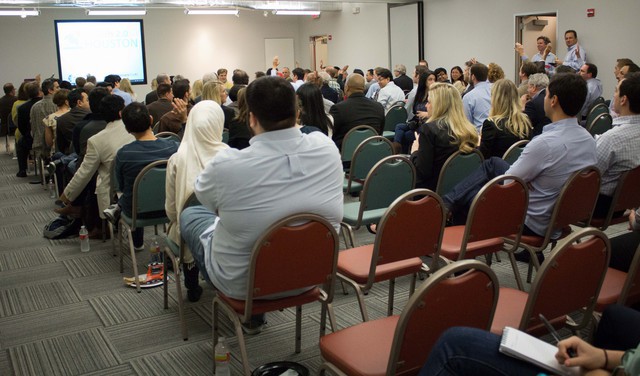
(202, 140)
(446, 132)
(214, 91)
(457, 79)
(506, 124)
(239, 133)
(312, 117)
(405, 132)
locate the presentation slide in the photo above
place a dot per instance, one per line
(101, 48)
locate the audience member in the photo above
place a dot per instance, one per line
(6, 103)
(576, 55)
(25, 142)
(589, 72)
(222, 77)
(494, 73)
(172, 121)
(477, 102)
(534, 102)
(152, 96)
(544, 54)
(457, 79)
(158, 108)
(80, 108)
(402, 81)
(125, 85)
(96, 123)
(311, 115)
(389, 94)
(114, 80)
(370, 80)
(322, 80)
(296, 81)
(441, 75)
(239, 132)
(51, 121)
(39, 111)
(526, 70)
(405, 132)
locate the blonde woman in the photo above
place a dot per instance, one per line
(447, 130)
(495, 72)
(196, 90)
(125, 85)
(214, 91)
(506, 124)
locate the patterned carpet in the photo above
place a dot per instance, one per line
(63, 312)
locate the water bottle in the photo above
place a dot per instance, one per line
(52, 189)
(222, 359)
(154, 251)
(84, 239)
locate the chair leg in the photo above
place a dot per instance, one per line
(412, 286)
(392, 288)
(104, 230)
(516, 271)
(217, 304)
(176, 275)
(120, 236)
(134, 261)
(298, 328)
(327, 308)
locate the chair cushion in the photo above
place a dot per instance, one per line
(611, 288)
(531, 240)
(452, 241)
(361, 349)
(350, 215)
(355, 186)
(354, 264)
(269, 305)
(511, 303)
(145, 222)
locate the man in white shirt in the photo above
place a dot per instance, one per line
(389, 93)
(298, 75)
(576, 55)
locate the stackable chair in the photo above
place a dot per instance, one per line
(366, 155)
(620, 287)
(513, 153)
(169, 135)
(456, 168)
(600, 124)
(597, 109)
(353, 138)
(407, 230)
(397, 114)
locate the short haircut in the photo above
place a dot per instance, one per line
(233, 92)
(298, 72)
(113, 79)
(400, 68)
(539, 80)
(163, 78)
(632, 68)
(575, 34)
(545, 39)
(528, 68)
(209, 77)
(75, 96)
(571, 91)
(180, 88)
(358, 71)
(104, 84)
(370, 71)
(47, 85)
(89, 86)
(630, 87)
(240, 77)
(565, 69)
(91, 79)
(272, 101)
(110, 106)
(221, 71)
(60, 97)
(65, 85)
(355, 82)
(80, 81)
(32, 89)
(385, 73)
(439, 70)
(623, 61)
(592, 69)
(421, 69)
(136, 118)
(480, 71)
(8, 88)
(95, 96)
(163, 89)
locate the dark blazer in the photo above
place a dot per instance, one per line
(535, 110)
(495, 141)
(404, 82)
(151, 97)
(158, 108)
(435, 147)
(355, 110)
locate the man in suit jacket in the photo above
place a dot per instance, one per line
(355, 110)
(101, 150)
(534, 107)
(162, 78)
(163, 105)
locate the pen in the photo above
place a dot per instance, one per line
(555, 335)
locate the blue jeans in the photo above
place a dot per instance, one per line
(404, 136)
(194, 221)
(470, 351)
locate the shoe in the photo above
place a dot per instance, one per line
(112, 213)
(191, 282)
(138, 249)
(21, 174)
(254, 326)
(525, 256)
(70, 210)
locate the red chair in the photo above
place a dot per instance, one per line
(399, 345)
(288, 258)
(497, 211)
(408, 229)
(569, 281)
(624, 197)
(620, 287)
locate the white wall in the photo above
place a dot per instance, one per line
(531, 33)
(456, 30)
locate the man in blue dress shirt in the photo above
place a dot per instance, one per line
(477, 102)
(576, 55)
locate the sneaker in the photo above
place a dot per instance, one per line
(254, 326)
(112, 213)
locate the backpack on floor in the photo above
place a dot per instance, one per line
(62, 227)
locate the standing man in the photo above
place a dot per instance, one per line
(589, 72)
(6, 104)
(23, 147)
(576, 55)
(544, 54)
(39, 111)
(477, 102)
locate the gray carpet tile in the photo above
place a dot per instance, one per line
(33, 274)
(126, 305)
(120, 370)
(92, 263)
(191, 359)
(5, 363)
(34, 326)
(25, 258)
(36, 199)
(11, 211)
(7, 195)
(70, 354)
(36, 297)
(19, 231)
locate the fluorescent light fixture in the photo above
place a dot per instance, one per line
(200, 12)
(116, 12)
(22, 13)
(297, 12)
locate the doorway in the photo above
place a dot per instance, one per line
(318, 47)
(528, 28)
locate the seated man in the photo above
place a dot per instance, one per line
(243, 192)
(546, 162)
(133, 157)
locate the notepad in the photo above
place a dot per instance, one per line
(525, 347)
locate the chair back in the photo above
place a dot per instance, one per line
(353, 138)
(366, 155)
(388, 179)
(225, 136)
(600, 124)
(569, 280)
(156, 126)
(577, 199)
(498, 210)
(624, 197)
(410, 228)
(397, 114)
(513, 153)
(169, 135)
(630, 294)
(596, 110)
(456, 168)
(149, 192)
(296, 252)
(441, 302)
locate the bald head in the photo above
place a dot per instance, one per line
(355, 84)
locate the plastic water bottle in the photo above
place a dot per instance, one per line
(154, 251)
(222, 358)
(52, 189)
(84, 239)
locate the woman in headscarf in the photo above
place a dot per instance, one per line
(202, 140)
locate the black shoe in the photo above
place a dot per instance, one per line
(191, 282)
(525, 256)
(21, 174)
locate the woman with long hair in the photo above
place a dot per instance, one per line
(506, 124)
(447, 130)
(196, 90)
(201, 141)
(312, 109)
(215, 91)
(125, 85)
(405, 132)
(457, 79)
(239, 132)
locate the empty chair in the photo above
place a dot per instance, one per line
(456, 168)
(600, 124)
(596, 110)
(353, 138)
(366, 155)
(408, 230)
(624, 197)
(620, 287)
(400, 345)
(513, 153)
(397, 114)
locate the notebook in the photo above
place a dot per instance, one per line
(525, 347)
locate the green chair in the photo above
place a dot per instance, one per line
(513, 153)
(147, 208)
(169, 135)
(175, 252)
(388, 179)
(225, 136)
(595, 111)
(353, 138)
(456, 168)
(397, 114)
(366, 155)
(600, 124)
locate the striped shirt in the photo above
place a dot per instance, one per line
(618, 151)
